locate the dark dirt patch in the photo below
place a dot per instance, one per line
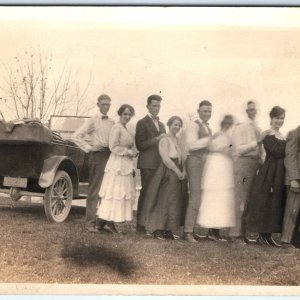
(85, 256)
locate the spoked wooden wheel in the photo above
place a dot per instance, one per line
(58, 198)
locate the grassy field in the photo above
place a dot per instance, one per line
(33, 250)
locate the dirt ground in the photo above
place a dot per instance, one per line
(35, 251)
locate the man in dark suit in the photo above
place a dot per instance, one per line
(292, 164)
(149, 131)
(198, 135)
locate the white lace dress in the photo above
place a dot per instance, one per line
(217, 208)
(117, 190)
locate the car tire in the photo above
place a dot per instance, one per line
(58, 198)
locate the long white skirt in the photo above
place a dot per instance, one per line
(217, 209)
(117, 195)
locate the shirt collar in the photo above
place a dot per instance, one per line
(102, 115)
(152, 117)
(202, 122)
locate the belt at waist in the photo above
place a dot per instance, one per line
(104, 149)
(199, 151)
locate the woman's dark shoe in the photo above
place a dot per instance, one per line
(167, 234)
(159, 235)
(214, 235)
(110, 227)
(261, 240)
(272, 242)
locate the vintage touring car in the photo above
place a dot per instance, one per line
(43, 162)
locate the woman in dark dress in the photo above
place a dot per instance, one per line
(265, 208)
(167, 192)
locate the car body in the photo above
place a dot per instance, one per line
(42, 161)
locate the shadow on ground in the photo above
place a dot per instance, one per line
(93, 255)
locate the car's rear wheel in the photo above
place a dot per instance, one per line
(58, 198)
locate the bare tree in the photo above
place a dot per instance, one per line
(34, 90)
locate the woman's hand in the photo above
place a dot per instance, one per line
(132, 153)
(180, 175)
(295, 186)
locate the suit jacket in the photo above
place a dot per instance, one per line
(292, 155)
(147, 144)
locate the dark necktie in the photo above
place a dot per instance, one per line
(155, 118)
(104, 117)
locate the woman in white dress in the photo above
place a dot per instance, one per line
(117, 190)
(217, 186)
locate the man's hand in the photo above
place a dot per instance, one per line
(295, 186)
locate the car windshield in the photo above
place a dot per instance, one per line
(66, 125)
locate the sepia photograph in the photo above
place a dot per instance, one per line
(150, 150)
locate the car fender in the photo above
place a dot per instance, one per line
(54, 163)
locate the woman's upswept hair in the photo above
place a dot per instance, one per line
(276, 111)
(172, 119)
(228, 119)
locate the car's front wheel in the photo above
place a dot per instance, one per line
(58, 198)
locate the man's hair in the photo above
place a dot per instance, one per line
(204, 103)
(250, 102)
(103, 97)
(153, 97)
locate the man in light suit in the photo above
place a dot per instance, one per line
(198, 135)
(149, 132)
(292, 164)
(247, 156)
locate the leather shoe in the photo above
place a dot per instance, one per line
(249, 241)
(168, 235)
(221, 239)
(212, 237)
(176, 237)
(189, 237)
(288, 246)
(148, 233)
(140, 229)
(199, 237)
(91, 229)
(110, 227)
(100, 224)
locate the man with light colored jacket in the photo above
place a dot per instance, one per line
(247, 153)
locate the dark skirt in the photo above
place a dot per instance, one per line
(264, 211)
(166, 200)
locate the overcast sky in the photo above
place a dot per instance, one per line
(225, 55)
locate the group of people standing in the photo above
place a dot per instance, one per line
(234, 179)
